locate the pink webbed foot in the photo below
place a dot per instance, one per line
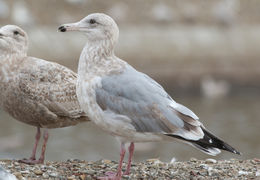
(31, 161)
(118, 174)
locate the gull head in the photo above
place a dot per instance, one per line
(97, 27)
(13, 39)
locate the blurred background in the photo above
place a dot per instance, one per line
(206, 54)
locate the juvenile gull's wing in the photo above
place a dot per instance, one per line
(150, 109)
(51, 85)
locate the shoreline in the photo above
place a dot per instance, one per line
(74, 169)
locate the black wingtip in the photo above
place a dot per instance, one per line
(211, 140)
(62, 29)
(209, 143)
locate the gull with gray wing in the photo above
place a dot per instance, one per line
(35, 91)
(127, 103)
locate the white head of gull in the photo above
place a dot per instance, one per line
(13, 40)
(35, 91)
(129, 104)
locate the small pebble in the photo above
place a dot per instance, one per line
(82, 177)
(71, 177)
(204, 166)
(89, 172)
(211, 161)
(37, 172)
(106, 161)
(173, 160)
(193, 160)
(155, 161)
(25, 172)
(53, 174)
(17, 174)
(99, 162)
(45, 175)
(242, 173)
(210, 171)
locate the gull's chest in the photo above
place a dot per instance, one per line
(86, 87)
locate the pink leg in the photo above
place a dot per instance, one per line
(45, 139)
(122, 155)
(131, 152)
(37, 138)
(41, 159)
(118, 175)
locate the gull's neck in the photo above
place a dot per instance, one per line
(98, 59)
(9, 63)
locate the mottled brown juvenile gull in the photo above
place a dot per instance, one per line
(127, 103)
(35, 91)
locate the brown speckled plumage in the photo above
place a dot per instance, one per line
(42, 94)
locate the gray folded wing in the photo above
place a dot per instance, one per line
(146, 104)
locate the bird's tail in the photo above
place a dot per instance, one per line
(210, 144)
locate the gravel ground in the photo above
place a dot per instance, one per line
(150, 169)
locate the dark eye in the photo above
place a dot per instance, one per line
(92, 21)
(16, 33)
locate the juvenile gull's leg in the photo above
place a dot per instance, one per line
(37, 138)
(45, 139)
(41, 159)
(118, 175)
(131, 152)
